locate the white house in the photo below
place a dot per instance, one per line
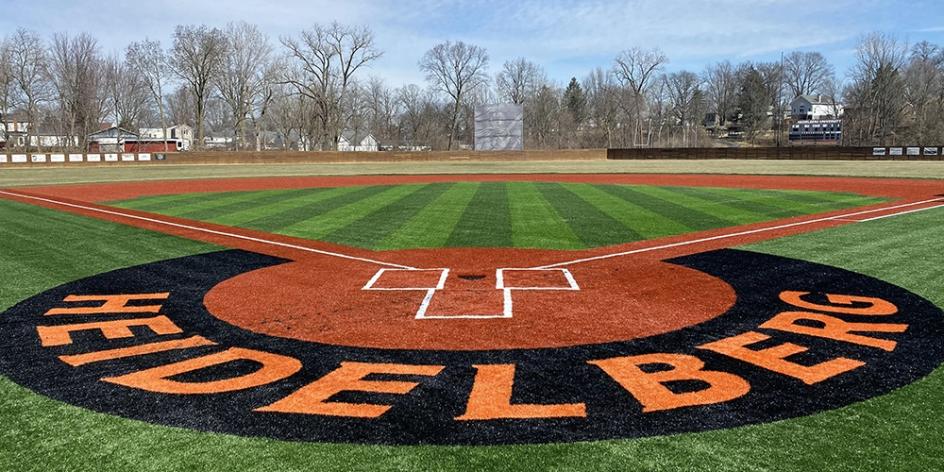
(182, 133)
(110, 140)
(815, 107)
(13, 128)
(357, 141)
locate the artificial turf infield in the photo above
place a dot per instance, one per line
(897, 431)
(546, 215)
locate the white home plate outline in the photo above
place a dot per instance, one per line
(507, 302)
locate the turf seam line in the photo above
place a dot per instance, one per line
(210, 231)
(744, 233)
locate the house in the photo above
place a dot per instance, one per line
(48, 139)
(110, 140)
(181, 135)
(815, 107)
(13, 128)
(358, 142)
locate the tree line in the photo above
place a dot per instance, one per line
(304, 91)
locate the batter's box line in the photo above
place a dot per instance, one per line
(507, 299)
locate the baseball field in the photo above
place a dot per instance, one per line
(663, 315)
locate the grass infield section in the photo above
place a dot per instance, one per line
(898, 431)
(545, 215)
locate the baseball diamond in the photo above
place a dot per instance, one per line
(472, 309)
(454, 236)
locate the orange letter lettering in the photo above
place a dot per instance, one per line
(877, 307)
(834, 328)
(650, 389)
(491, 398)
(60, 335)
(774, 358)
(111, 304)
(312, 399)
(274, 368)
(121, 353)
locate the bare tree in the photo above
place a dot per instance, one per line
(127, 92)
(242, 76)
(382, 106)
(603, 102)
(327, 59)
(721, 87)
(636, 69)
(542, 116)
(687, 100)
(29, 62)
(264, 98)
(519, 80)
(455, 69)
(923, 80)
(77, 74)
(196, 60)
(147, 61)
(876, 96)
(180, 105)
(806, 73)
(6, 85)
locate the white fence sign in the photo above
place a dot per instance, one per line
(878, 151)
(127, 157)
(930, 151)
(144, 157)
(914, 151)
(18, 158)
(896, 152)
(93, 158)
(38, 158)
(111, 157)
(57, 158)
(75, 158)
(3, 158)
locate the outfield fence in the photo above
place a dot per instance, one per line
(815, 153)
(899, 153)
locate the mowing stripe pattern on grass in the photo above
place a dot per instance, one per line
(545, 215)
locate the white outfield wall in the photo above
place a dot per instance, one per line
(22, 159)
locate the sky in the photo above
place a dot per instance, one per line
(567, 38)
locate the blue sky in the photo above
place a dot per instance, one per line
(568, 38)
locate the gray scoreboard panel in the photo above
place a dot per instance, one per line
(499, 127)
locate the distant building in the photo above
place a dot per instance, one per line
(110, 140)
(351, 141)
(816, 132)
(815, 107)
(44, 139)
(13, 129)
(180, 135)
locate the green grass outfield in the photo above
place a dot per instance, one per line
(40, 249)
(36, 175)
(544, 215)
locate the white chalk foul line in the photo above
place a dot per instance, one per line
(755, 231)
(898, 214)
(208, 231)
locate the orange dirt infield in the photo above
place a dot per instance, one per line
(324, 294)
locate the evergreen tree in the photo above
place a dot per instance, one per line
(576, 101)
